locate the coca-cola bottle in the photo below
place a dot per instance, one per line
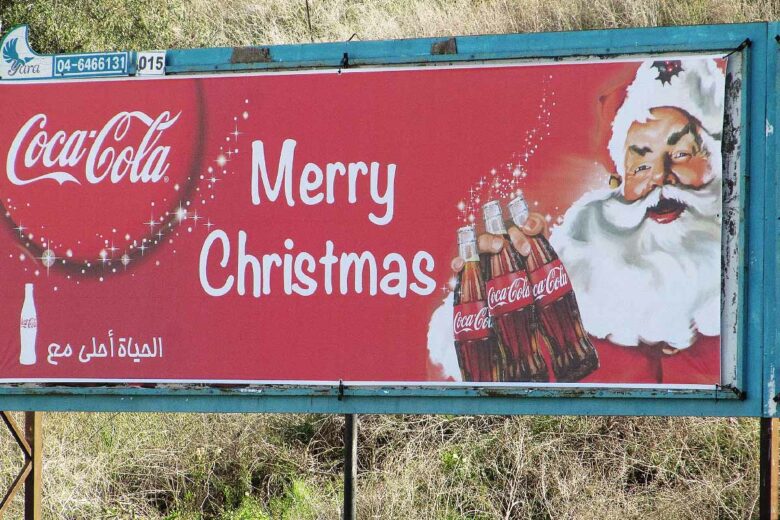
(510, 302)
(28, 327)
(476, 344)
(572, 354)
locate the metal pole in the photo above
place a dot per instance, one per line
(770, 450)
(33, 433)
(350, 464)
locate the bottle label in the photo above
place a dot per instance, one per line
(550, 282)
(29, 323)
(508, 292)
(471, 321)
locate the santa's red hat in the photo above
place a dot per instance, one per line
(695, 85)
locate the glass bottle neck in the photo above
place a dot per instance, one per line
(495, 225)
(468, 251)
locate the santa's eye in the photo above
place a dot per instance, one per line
(640, 168)
(677, 156)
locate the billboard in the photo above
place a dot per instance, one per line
(242, 229)
(539, 225)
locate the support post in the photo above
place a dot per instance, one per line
(350, 464)
(30, 442)
(770, 450)
(33, 432)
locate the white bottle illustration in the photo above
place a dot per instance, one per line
(28, 327)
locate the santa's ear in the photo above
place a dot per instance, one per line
(615, 181)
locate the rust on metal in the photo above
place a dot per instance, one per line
(30, 474)
(250, 55)
(448, 46)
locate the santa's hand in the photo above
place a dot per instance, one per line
(535, 225)
(486, 243)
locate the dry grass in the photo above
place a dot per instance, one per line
(242, 467)
(288, 466)
(60, 25)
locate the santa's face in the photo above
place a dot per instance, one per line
(645, 262)
(665, 150)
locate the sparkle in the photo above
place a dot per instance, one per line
(196, 217)
(209, 225)
(151, 223)
(181, 213)
(48, 258)
(20, 229)
(235, 133)
(213, 180)
(142, 248)
(461, 205)
(221, 160)
(125, 259)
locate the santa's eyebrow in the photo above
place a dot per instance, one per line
(640, 151)
(675, 137)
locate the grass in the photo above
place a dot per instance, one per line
(236, 467)
(94, 25)
(242, 467)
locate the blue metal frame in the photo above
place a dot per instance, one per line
(772, 290)
(757, 297)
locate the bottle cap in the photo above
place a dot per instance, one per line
(518, 208)
(467, 234)
(492, 209)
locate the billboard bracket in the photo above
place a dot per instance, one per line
(746, 43)
(731, 388)
(344, 62)
(30, 442)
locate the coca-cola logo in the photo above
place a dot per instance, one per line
(29, 323)
(95, 156)
(471, 322)
(519, 291)
(101, 173)
(550, 282)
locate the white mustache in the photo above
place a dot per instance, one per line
(705, 201)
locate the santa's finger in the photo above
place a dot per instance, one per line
(457, 264)
(487, 243)
(520, 241)
(535, 225)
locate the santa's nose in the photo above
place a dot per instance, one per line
(663, 173)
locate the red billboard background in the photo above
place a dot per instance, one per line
(120, 257)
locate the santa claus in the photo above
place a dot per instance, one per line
(644, 255)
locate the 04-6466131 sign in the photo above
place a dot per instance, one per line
(469, 234)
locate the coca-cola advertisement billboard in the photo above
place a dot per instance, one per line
(506, 224)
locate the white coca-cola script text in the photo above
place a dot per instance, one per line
(473, 322)
(520, 289)
(92, 155)
(557, 280)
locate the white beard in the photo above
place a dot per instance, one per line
(639, 281)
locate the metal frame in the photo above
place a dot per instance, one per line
(757, 192)
(772, 230)
(31, 443)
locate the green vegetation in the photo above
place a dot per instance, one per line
(242, 467)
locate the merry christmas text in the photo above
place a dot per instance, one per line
(317, 184)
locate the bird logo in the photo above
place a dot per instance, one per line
(11, 54)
